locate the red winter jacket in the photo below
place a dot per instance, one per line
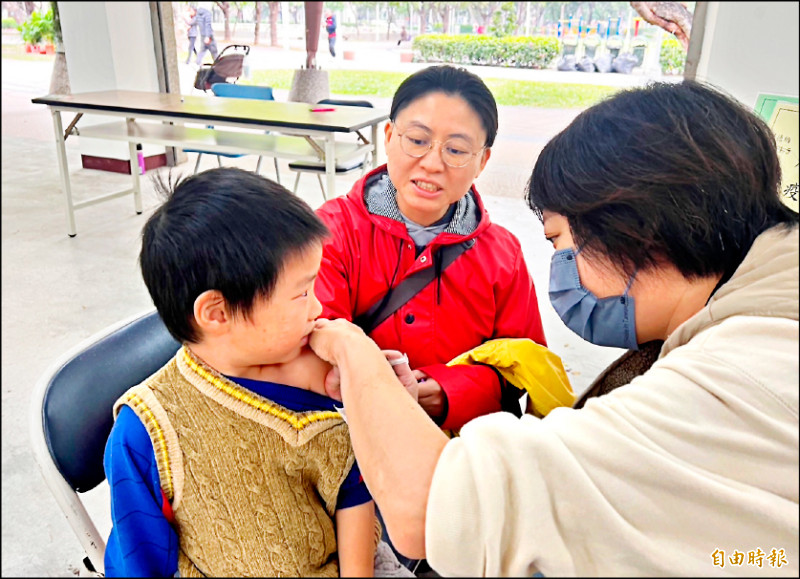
(485, 293)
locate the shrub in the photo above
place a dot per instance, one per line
(38, 27)
(672, 57)
(9, 23)
(516, 51)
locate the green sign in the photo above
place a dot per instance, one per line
(781, 114)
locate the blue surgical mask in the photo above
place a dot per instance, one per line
(602, 321)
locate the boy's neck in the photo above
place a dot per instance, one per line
(307, 371)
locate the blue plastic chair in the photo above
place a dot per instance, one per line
(241, 91)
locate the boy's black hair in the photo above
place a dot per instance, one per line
(224, 229)
(452, 81)
(675, 171)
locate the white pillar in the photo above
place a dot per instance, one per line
(109, 46)
(757, 37)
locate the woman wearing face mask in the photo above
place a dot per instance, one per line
(664, 207)
(418, 215)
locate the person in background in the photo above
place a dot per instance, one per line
(330, 27)
(664, 208)
(404, 35)
(191, 31)
(206, 31)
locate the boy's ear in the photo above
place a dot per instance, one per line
(211, 312)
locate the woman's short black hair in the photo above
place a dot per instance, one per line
(453, 81)
(225, 229)
(675, 171)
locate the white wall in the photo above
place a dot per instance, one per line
(108, 46)
(751, 48)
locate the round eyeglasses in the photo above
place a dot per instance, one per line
(456, 152)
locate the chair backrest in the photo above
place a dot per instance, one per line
(348, 103)
(78, 396)
(243, 91)
(71, 413)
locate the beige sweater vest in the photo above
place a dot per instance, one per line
(252, 484)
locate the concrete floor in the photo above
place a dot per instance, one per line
(57, 291)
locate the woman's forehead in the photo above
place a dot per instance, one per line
(437, 110)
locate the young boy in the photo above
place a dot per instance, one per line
(231, 460)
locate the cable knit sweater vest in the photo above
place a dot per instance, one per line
(253, 485)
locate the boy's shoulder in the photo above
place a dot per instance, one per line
(140, 396)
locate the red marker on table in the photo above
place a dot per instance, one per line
(322, 110)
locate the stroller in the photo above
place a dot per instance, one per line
(227, 65)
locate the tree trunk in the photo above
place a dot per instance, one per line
(59, 78)
(274, 14)
(671, 16)
(357, 17)
(16, 10)
(590, 16)
(225, 7)
(389, 18)
(257, 26)
(313, 12)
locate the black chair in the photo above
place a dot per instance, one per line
(344, 168)
(71, 413)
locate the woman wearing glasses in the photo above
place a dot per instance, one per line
(410, 217)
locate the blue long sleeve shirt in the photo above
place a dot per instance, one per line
(142, 542)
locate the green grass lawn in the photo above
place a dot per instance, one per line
(506, 92)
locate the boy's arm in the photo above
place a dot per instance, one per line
(142, 543)
(355, 538)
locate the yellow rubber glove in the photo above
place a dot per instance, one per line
(528, 366)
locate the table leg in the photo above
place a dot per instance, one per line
(137, 192)
(330, 165)
(63, 168)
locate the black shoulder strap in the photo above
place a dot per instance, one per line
(408, 288)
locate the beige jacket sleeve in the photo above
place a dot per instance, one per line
(699, 454)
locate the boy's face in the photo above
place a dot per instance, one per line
(277, 328)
